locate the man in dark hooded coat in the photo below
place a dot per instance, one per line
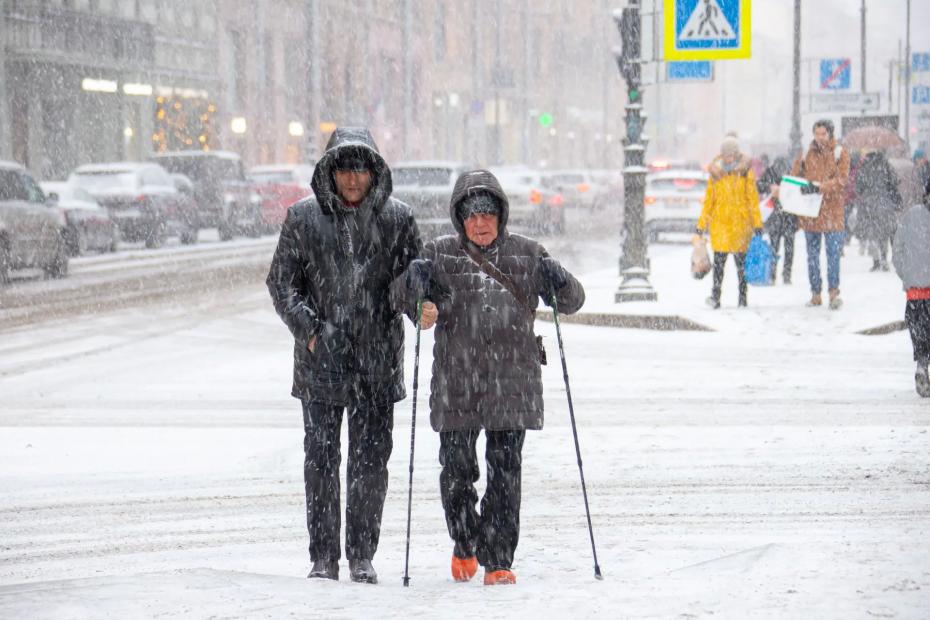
(338, 253)
(486, 364)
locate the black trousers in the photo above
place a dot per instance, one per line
(777, 235)
(370, 445)
(917, 317)
(720, 260)
(493, 534)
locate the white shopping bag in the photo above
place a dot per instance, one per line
(793, 201)
(766, 207)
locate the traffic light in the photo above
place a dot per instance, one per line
(628, 54)
(545, 119)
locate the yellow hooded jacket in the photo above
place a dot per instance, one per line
(731, 207)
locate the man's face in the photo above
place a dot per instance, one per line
(729, 158)
(821, 136)
(481, 228)
(352, 185)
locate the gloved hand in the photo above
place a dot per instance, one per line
(757, 232)
(419, 273)
(333, 340)
(810, 188)
(553, 273)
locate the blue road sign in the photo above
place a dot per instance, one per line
(920, 62)
(834, 73)
(689, 71)
(707, 29)
(920, 95)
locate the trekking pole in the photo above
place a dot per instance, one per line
(571, 413)
(413, 432)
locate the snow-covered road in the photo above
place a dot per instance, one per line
(150, 465)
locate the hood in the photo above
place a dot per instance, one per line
(323, 184)
(478, 181)
(717, 171)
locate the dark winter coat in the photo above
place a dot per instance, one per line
(335, 265)
(780, 222)
(486, 367)
(828, 166)
(878, 200)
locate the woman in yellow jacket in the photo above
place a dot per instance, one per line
(731, 212)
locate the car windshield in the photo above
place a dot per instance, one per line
(421, 176)
(105, 179)
(676, 184)
(11, 186)
(273, 177)
(510, 179)
(201, 169)
(568, 179)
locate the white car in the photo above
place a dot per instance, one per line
(534, 204)
(427, 187)
(673, 202)
(89, 224)
(580, 188)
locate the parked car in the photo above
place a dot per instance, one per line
(187, 207)
(673, 201)
(140, 198)
(427, 187)
(89, 226)
(32, 230)
(580, 188)
(224, 196)
(280, 186)
(535, 204)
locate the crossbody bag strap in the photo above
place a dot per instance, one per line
(488, 268)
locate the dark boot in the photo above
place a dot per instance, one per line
(922, 380)
(361, 571)
(324, 569)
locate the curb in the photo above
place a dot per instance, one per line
(663, 323)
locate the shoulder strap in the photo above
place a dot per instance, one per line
(488, 268)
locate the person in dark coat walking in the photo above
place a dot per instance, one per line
(878, 201)
(781, 225)
(482, 288)
(330, 278)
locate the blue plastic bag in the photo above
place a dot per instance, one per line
(760, 262)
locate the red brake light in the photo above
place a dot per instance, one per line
(650, 200)
(535, 197)
(583, 187)
(685, 183)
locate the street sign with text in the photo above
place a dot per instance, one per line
(920, 62)
(707, 29)
(920, 95)
(844, 102)
(689, 71)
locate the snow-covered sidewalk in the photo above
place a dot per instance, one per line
(151, 465)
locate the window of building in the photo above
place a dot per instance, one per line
(127, 9)
(148, 11)
(439, 32)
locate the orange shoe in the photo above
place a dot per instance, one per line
(501, 577)
(463, 569)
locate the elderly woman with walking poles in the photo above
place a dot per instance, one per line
(480, 288)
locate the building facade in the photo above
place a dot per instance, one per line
(483, 81)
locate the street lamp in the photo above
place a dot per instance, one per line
(634, 273)
(238, 125)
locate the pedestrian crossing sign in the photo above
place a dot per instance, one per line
(707, 29)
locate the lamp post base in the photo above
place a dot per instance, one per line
(635, 286)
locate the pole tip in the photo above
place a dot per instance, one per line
(597, 573)
(406, 581)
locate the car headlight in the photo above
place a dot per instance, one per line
(229, 197)
(255, 199)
